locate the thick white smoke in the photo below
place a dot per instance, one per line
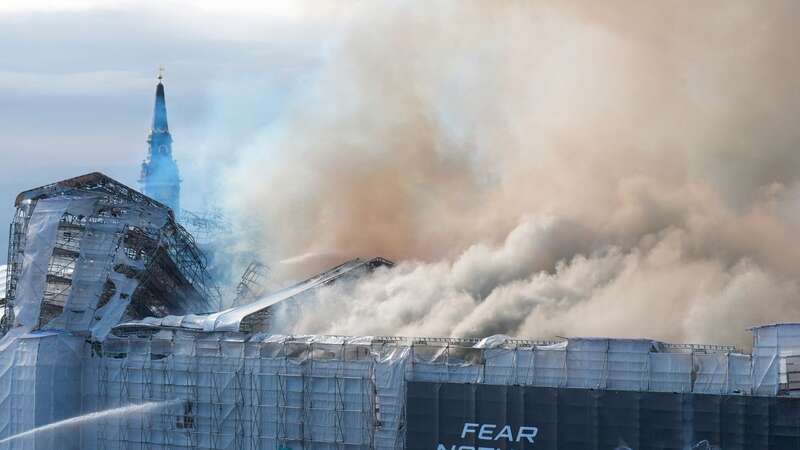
(542, 169)
(654, 289)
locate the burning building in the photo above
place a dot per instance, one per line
(110, 309)
(86, 252)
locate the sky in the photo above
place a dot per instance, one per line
(77, 81)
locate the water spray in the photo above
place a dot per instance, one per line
(86, 418)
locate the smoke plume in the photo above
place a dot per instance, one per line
(541, 169)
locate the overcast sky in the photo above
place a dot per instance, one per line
(77, 80)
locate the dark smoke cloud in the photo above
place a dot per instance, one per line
(541, 169)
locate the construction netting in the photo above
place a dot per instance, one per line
(40, 383)
(776, 359)
(88, 253)
(323, 392)
(223, 391)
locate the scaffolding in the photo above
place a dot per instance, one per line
(16, 247)
(110, 306)
(233, 394)
(349, 393)
(253, 283)
(98, 252)
(206, 226)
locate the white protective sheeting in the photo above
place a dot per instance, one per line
(99, 254)
(239, 395)
(3, 273)
(88, 276)
(276, 392)
(39, 384)
(628, 364)
(325, 392)
(79, 249)
(92, 267)
(775, 348)
(39, 240)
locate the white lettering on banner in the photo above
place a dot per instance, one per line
(528, 433)
(488, 432)
(468, 428)
(505, 433)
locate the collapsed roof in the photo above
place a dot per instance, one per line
(260, 315)
(88, 252)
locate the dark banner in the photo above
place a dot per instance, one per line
(443, 416)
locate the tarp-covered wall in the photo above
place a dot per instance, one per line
(776, 359)
(221, 391)
(263, 394)
(40, 384)
(321, 392)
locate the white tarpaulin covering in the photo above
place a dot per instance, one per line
(40, 236)
(40, 384)
(3, 272)
(776, 350)
(312, 392)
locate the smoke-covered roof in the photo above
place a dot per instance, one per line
(255, 316)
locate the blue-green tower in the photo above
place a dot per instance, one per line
(160, 178)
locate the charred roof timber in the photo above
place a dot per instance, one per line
(260, 315)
